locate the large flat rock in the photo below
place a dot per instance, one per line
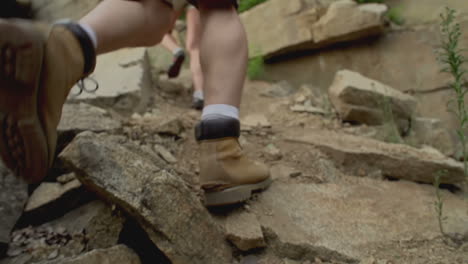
(393, 160)
(82, 117)
(346, 220)
(117, 73)
(360, 99)
(305, 25)
(173, 216)
(346, 20)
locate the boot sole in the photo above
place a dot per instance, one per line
(21, 56)
(235, 195)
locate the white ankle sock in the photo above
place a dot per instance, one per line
(198, 95)
(91, 34)
(177, 51)
(219, 111)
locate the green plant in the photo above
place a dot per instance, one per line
(245, 5)
(439, 203)
(450, 55)
(256, 67)
(392, 135)
(394, 15)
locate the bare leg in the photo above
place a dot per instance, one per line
(224, 63)
(170, 43)
(223, 52)
(120, 24)
(193, 47)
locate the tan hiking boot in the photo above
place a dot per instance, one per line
(226, 175)
(39, 65)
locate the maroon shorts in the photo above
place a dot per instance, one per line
(195, 2)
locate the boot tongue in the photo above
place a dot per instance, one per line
(217, 128)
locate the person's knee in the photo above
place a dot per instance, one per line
(159, 21)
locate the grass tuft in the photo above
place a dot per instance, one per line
(439, 202)
(256, 67)
(245, 5)
(452, 60)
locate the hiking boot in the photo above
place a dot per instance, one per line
(226, 175)
(176, 65)
(39, 64)
(197, 103)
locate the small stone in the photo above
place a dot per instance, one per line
(244, 231)
(243, 140)
(165, 154)
(255, 120)
(307, 109)
(246, 129)
(273, 152)
(290, 261)
(382, 261)
(16, 238)
(61, 230)
(295, 174)
(279, 89)
(136, 116)
(14, 252)
(147, 117)
(270, 259)
(173, 126)
(369, 260)
(49, 192)
(53, 255)
(300, 99)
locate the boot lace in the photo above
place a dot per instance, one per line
(87, 85)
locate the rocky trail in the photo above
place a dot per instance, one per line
(350, 183)
(139, 172)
